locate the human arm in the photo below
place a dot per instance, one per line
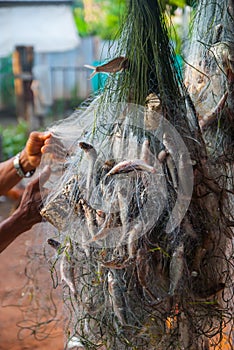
(30, 158)
(26, 215)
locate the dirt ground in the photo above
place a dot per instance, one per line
(31, 311)
(26, 296)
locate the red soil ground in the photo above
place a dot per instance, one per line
(25, 286)
(20, 298)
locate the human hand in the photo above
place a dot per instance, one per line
(34, 146)
(31, 202)
(55, 148)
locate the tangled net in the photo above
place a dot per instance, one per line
(144, 216)
(38, 304)
(209, 76)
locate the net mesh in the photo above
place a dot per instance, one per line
(209, 75)
(133, 276)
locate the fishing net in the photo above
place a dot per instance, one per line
(209, 80)
(141, 207)
(37, 305)
(101, 216)
(209, 75)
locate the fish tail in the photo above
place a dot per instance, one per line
(91, 67)
(92, 74)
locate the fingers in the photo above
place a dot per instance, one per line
(33, 147)
(36, 136)
(55, 147)
(36, 140)
(31, 202)
(46, 135)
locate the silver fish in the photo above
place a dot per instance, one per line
(133, 236)
(145, 151)
(176, 268)
(91, 154)
(162, 155)
(115, 289)
(75, 342)
(100, 217)
(88, 148)
(172, 170)
(169, 143)
(101, 234)
(54, 244)
(67, 269)
(66, 265)
(127, 166)
(90, 217)
(124, 209)
(217, 33)
(215, 112)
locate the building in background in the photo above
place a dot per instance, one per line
(47, 26)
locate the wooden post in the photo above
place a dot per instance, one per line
(23, 57)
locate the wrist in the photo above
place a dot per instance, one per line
(11, 228)
(22, 165)
(24, 162)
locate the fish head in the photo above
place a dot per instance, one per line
(53, 243)
(85, 146)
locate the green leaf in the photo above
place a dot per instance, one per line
(178, 3)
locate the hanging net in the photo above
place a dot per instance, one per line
(143, 246)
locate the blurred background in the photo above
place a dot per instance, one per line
(44, 45)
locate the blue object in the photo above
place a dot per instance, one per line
(99, 80)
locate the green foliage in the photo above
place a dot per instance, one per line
(177, 3)
(106, 18)
(14, 138)
(175, 30)
(113, 13)
(174, 4)
(151, 68)
(81, 25)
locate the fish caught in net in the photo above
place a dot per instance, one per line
(143, 210)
